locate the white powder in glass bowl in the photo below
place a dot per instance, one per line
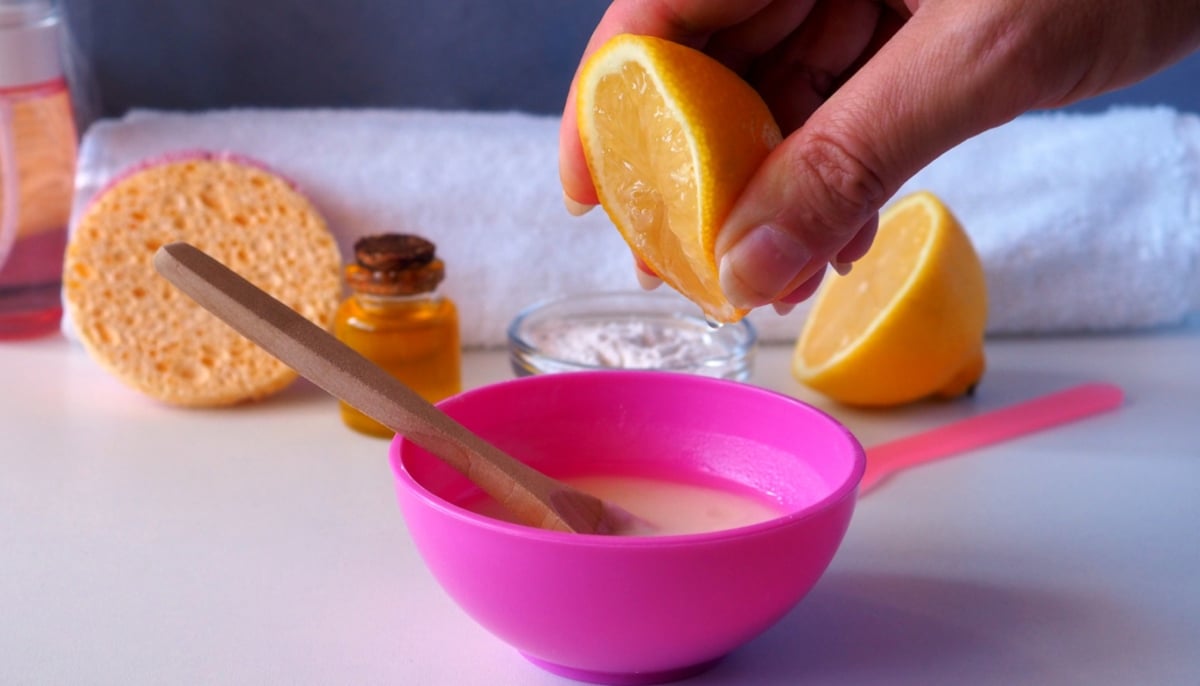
(627, 331)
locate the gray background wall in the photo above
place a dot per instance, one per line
(476, 54)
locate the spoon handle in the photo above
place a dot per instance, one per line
(982, 430)
(320, 357)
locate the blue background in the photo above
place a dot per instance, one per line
(462, 54)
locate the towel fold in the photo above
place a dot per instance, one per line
(1083, 222)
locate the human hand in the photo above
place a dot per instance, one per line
(867, 93)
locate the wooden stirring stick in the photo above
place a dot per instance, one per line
(533, 497)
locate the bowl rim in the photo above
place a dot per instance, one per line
(847, 488)
(741, 351)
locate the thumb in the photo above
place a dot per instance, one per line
(819, 192)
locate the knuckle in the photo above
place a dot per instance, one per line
(848, 189)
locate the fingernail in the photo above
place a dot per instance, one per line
(648, 282)
(842, 268)
(575, 207)
(783, 309)
(757, 269)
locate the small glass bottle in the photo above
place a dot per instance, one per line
(38, 145)
(396, 318)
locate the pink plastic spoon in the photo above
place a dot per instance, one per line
(1014, 421)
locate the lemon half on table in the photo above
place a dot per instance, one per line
(671, 138)
(907, 322)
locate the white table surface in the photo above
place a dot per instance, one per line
(141, 544)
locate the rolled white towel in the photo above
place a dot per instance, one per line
(482, 186)
(1083, 222)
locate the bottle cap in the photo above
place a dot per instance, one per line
(391, 251)
(395, 264)
(30, 51)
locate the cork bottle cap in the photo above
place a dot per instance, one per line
(395, 264)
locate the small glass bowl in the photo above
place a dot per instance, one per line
(627, 330)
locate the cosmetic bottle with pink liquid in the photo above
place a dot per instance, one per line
(38, 145)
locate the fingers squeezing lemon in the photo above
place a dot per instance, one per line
(671, 137)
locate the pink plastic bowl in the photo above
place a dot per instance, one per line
(635, 610)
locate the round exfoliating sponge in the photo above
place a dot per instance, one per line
(153, 337)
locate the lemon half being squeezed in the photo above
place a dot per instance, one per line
(671, 138)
